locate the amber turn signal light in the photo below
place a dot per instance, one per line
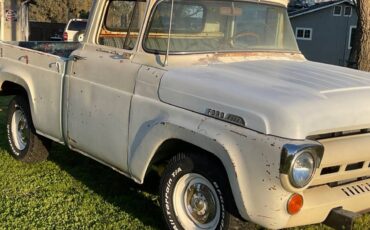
(295, 204)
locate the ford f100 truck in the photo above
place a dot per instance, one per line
(214, 95)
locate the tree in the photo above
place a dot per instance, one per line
(58, 10)
(360, 53)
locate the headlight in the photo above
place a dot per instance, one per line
(302, 169)
(298, 164)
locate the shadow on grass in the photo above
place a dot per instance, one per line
(4, 101)
(139, 201)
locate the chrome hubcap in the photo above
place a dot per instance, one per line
(200, 203)
(196, 203)
(20, 130)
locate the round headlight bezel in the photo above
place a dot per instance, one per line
(292, 180)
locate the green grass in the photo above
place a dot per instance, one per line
(70, 191)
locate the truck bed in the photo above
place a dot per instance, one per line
(61, 49)
(39, 67)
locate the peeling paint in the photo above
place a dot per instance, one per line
(273, 188)
(248, 56)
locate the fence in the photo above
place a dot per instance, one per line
(46, 31)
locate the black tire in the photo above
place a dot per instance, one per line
(28, 147)
(185, 165)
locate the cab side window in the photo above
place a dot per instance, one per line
(122, 23)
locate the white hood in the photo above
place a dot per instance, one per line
(291, 99)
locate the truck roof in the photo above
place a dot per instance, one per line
(280, 2)
(283, 2)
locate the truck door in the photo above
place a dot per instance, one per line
(101, 84)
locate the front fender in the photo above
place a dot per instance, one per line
(251, 159)
(152, 123)
(142, 155)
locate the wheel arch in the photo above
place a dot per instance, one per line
(169, 147)
(157, 144)
(12, 85)
(165, 140)
(11, 88)
(15, 85)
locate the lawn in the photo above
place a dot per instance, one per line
(70, 191)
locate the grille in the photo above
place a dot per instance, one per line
(349, 167)
(346, 158)
(356, 189)
(338, 134)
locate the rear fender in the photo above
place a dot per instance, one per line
(15, 79)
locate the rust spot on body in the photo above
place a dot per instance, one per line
(273, 188)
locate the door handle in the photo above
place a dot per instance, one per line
(25, 57)
(57, 65)
(77, 58)
(123, 56)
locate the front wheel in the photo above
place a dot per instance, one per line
(195, 194)
(25, 144)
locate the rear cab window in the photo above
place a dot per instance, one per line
(122, 23)
(77, 25)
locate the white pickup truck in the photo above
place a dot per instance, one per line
(212, 94)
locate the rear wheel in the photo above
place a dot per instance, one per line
(195, 194)
(25, 144)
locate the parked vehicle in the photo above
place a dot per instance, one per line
(56, 37)
(75, 30)
(214, 96)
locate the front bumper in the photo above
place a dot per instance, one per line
(320, 201)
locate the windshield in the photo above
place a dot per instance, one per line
(219, 26)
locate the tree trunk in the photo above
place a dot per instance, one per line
(360, 53)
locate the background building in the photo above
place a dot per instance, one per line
(325, 31)
(14, 20)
